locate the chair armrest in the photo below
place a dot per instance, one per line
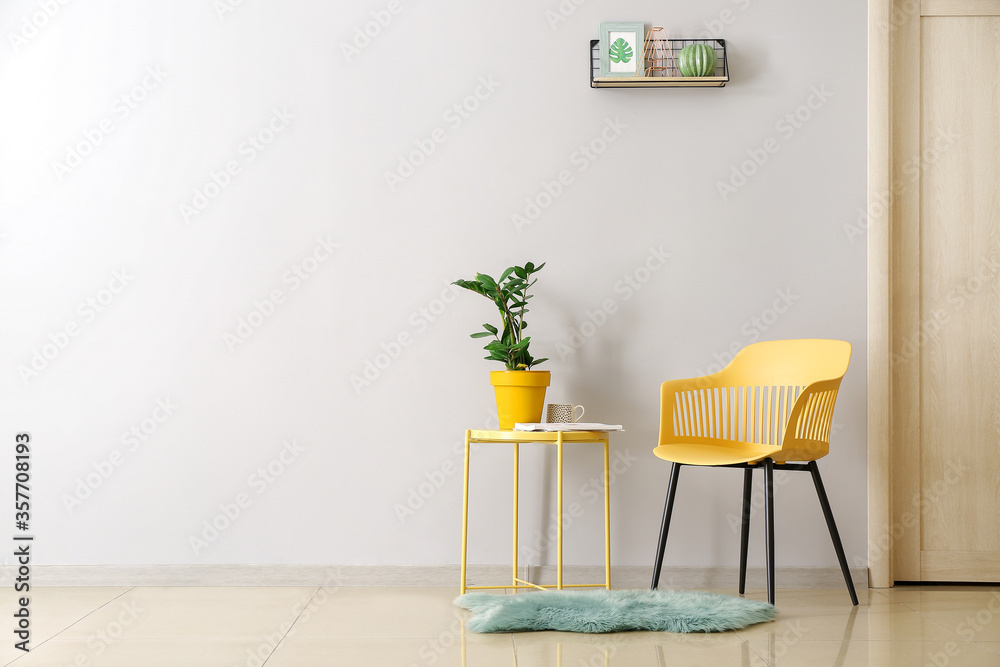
(806, 434)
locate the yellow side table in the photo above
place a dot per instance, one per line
(559, 439)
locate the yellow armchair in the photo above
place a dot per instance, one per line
(772, 405)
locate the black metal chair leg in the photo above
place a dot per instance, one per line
(769, 525)
(745, 530)
(668, 509)
(832, 525)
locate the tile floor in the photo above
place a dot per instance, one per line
(931, 626)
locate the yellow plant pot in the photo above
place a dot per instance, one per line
(520, 395)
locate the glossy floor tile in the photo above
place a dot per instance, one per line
(216, 652)
(306, 626)
(53, 610)
(371, 613)
(195, 613)
(444, 651)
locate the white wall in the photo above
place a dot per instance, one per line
(337, 126)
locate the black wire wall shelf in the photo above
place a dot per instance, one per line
(670, 75)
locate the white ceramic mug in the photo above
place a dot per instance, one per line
(563, 413)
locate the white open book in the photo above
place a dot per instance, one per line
(577, 426)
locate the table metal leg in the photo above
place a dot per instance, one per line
(517, 583)
(513, 580)
(465, 513)
(607, 514)
(559, 513)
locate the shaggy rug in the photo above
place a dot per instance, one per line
(612, 611)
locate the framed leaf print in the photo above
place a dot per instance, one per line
(621, 49)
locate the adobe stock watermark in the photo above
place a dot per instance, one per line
(902, 12)
(433, 649)
(786, 127)
(298, 615)
(99, 641)
(258, 482)
(969, 628)
(293, 278)
(531, 551)
(973, 624)
(565, 9)
(735, 521)
(752, 329)
(921, 502)
(714, 28)
(432, 481)
(562, 12)
(248, 151)
(624, 289)
(121, 109)
(944, 139)
(365, 34)
(418, 322)
(791, 633)
(132, 440)
(551, 189)
(225, 7)
(938, 319)
(454, 117)
(31, 25)
(86, 312)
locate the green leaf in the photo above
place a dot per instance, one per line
(486, 280)
(503, 276)
(480, 334)
(529, 267)
(620, 51)
(489, 327)
(520, 273)
(538, 361)
(473, 287)
(538, 268)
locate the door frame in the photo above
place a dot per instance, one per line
(879, 237)
(893, 44)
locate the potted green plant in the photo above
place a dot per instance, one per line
(520, 391)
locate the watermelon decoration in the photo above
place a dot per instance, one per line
(697, 60)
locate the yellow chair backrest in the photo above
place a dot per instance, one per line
(775, 396)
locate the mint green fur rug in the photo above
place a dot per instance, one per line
(612, 611)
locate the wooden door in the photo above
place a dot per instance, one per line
(945, 275)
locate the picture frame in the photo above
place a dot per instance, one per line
(622, 49)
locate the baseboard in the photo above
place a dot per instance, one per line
(417, 576)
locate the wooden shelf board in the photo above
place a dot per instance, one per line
(659, 81)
